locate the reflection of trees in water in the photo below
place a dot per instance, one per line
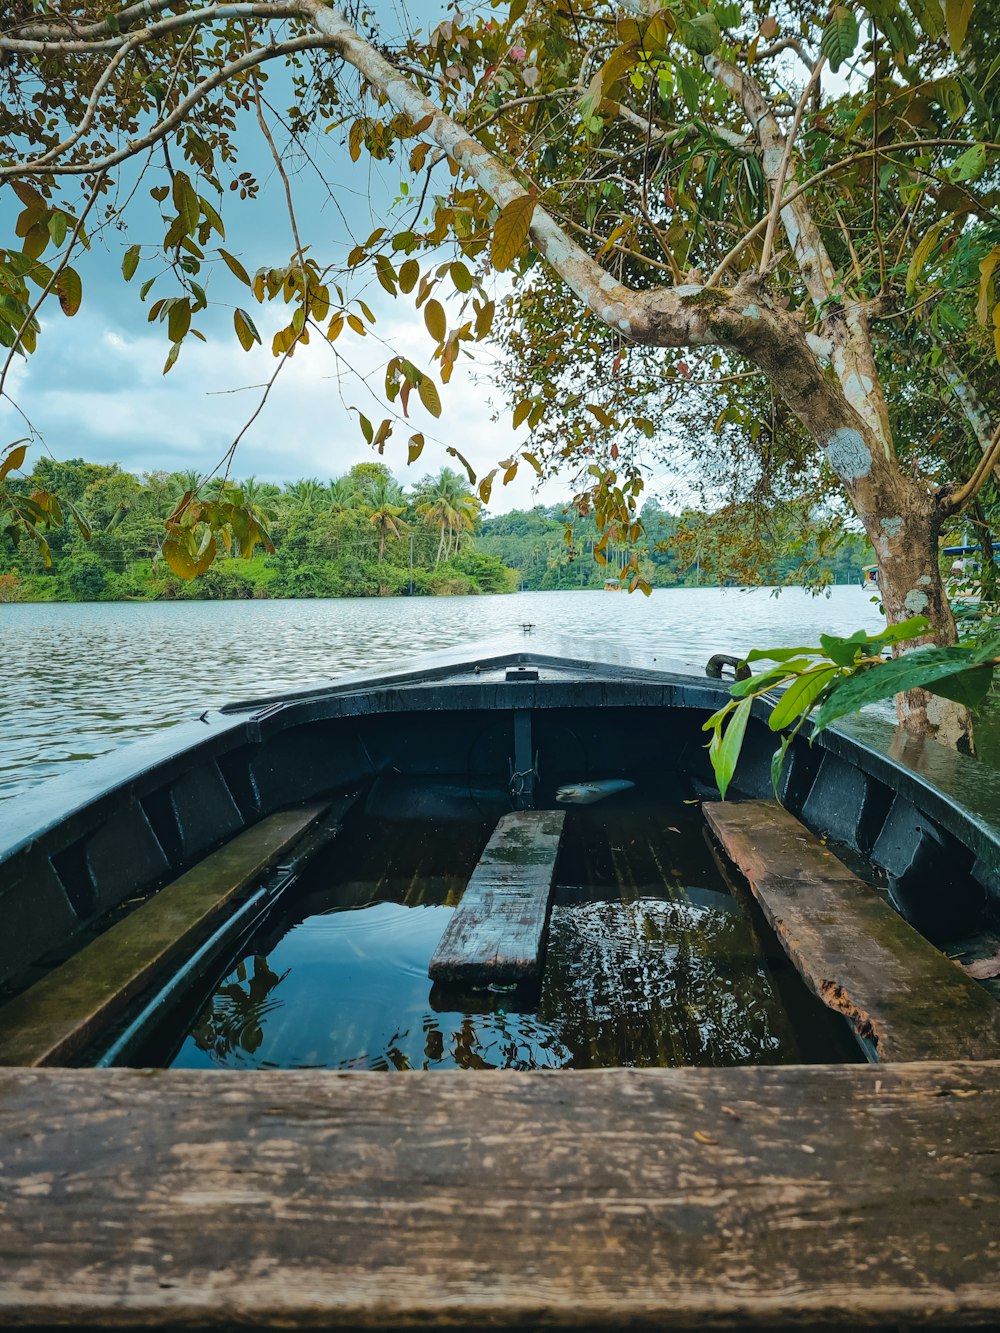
(233, 1021)
(660, 983)
(494, 1040)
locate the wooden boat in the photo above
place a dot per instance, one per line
(841, 1195)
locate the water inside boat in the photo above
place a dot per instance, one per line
(653, 958)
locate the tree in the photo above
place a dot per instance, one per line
(690, 176)
(384, 499)
(446, 503)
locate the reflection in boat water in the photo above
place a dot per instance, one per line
(651, 960)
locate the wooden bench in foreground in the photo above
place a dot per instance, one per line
(853, 950)
(58, 1015)
(750, 1198)
(497, 932)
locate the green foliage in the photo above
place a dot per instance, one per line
(842, 676)
(361, 535)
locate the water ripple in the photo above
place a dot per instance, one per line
(82, 679)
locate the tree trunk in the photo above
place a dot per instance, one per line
(904, 533)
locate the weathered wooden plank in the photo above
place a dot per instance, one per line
(849, 1196)
(858, 955)
(497, 931)
(58, 1015)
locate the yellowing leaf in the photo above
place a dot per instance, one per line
(130, 262)
(70, 291)
(521, 412)
(13, 460)
(957, 14)
(599, 412)
(511, 231)
(434, 318)
(179, 320)
(429, 396)
(484, 320)
(409, 272)
(235, 267)
(416, 448)
(923, 252)
(183, 563)
(486, 487)
(461, 276)
(245, 329)
(986, 267)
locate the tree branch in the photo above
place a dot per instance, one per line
(786, 158)
(55, 45)
(677, 323)
(815, 265)
(955, 500)
(176, 117)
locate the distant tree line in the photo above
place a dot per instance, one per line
(363, 535)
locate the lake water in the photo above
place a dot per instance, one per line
(80, 679)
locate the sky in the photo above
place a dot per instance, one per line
(95, 388)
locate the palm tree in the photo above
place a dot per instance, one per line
(306, 496)
(385, 500)
(445, 502)
(342, 494)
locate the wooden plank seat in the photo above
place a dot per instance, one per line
(58, 1015)
(801, 1197)
(497, 932)
(902, 995)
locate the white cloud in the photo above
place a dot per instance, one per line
(95, 389)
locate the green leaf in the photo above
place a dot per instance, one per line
(913, 628)
(130, 262)
(931, 668)
(844, 652)
(771, 677)
(840, 37)
(701, 34)
(971, 164)
(778, 763)
(778, 654)
(957, 14)
(58, 225)
(186, 202)
(800, 696)
(725, 753)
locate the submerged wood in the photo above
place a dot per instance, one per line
(57, 1016)
(761, 1198)
(857, 954)
(497, 932)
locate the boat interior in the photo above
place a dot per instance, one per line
(509, 874)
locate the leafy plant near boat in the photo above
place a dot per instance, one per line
(842, 676)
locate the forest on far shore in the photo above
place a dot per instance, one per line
(364, 535)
